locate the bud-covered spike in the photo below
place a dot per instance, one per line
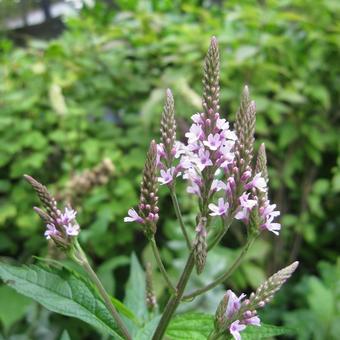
(45, 197)
(45, 217)
(148, 206)
(267, 290)
(211, 78)
(261, 162)
(200, 245)
(245, 127)
(168, 127)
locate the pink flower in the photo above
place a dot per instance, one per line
(222, 124)
(196, 118)
(255, 320)
(133, 217)
(194, 189)
(243, 215)
(166, 176)
(228, 134)
(269, 225)
(50, 231)
(68, 216)
(72, 229)
(235, 329)
(257, 182)
(203, 159)
(220, 209)
(234, 303)
(213, 142)
(218, 185)
(194, 134)
(246, 202)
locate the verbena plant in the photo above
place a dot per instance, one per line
(227, 181)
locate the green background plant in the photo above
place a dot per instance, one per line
(97, 91)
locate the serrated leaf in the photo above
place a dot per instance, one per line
(60, 291)
(193, 326)
(264, 331)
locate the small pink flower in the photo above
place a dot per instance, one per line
(234, 303)
(243, 215)
(194, 189)
(196, 118)
(194, 134)
(235, 329)
(255, 320)
(50, 231)
(166, 176)
(213, 142)
(203, 159)
(257, 182)
(246, 202)
(220, 209)
(72, 229)
(271, 226)
(218, 185)
(222, 124)
(68, 216)
(133, 217)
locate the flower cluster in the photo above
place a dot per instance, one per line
(216, 159)
(61, 227)
(234, 313)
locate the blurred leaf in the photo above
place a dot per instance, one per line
(13, 306)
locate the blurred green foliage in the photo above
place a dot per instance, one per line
(97, 92)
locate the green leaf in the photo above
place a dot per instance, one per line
(60, 291)
(193, 326)
(13, 306)
(136, 292)
(124, 310)
(264, 331)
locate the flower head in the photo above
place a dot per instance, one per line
(221, 209)
(133, 217)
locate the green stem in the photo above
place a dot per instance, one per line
(174, 300)
(161, 266)
(81, 258)
(179, 216)
(220, 235)
(224, 276)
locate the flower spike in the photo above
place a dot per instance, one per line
(168, 128)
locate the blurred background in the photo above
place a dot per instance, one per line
(81, 93)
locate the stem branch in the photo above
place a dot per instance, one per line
(160, 265)
(224, 276)
(179, 216)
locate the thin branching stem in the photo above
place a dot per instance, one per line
(179, 216)
(161, 266)
(223, 277)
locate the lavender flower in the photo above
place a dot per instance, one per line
(61, 227)
(219, 210)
